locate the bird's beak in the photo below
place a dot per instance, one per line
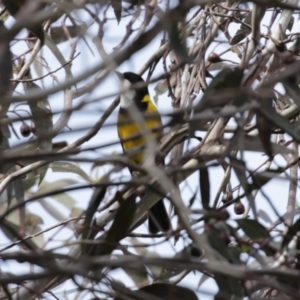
(120, 75)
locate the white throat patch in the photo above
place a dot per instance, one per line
(126, 98)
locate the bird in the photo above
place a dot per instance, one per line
(134, 148)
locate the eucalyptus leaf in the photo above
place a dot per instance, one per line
(47, 188)
(58, 33)
(19, 195)
(5, 75)
(243, 31)
(280, 121)
(37, 239)
(117, 7)
(11, 231)
(240, 171)
(67, 167)
(204, 187)
(265, 127)
(52, 210)
(94, 203)
(119, 228)
(253, 229)
(42, 118)
(292, 231)
(17, 8)
(65, 199)
(163, 291)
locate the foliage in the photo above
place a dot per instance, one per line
(67, 204)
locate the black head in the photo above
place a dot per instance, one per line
(132, 77)
(135, 79)
(129, 78)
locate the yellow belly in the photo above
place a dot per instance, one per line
(132, 145)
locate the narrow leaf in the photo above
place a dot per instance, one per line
(193, 198)
(240, 171)
(292, 231)
(67, 167)
(229, 287)
(253, 229)
(19, 195)
(59, 36)
(95, 201)
(204, 187)
(117, 7)
(52, 210)
(42, 118)
(226, 79)
(218, 241)
(265, 128)
(280, 121)
(243, 31)
(48, 188)
(291, 24)
(5, 75)
(163, 291)
(17, 8)
(120, 226)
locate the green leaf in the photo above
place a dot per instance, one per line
(177, 39)
(5, 75)
(48, 188)
(193, 198)
(264, 216)
(226, 79)
(204, 187)
(243, 31)
(117, 7)
(295, 48)
(253, 229)
(95, 201)
(265, 128)
(14, 6)
(58, 33)
(52, 210)
(291, 24)
(217, 239)
(240, 171)
(65, 199)
(69, 168)
(229, 287)
(5, 64)
(254, 143)
(292, 89)
(19, 195)
(119, 227)
(139, 274)
(42, 118)
(260, 179)
(169, 291)
(29, 181)
(163, 291)
(11, 231)
(275, 118)
(33, 222)
(292, 231)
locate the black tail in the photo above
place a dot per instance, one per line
(158, 219)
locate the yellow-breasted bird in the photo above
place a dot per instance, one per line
(139, 97)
